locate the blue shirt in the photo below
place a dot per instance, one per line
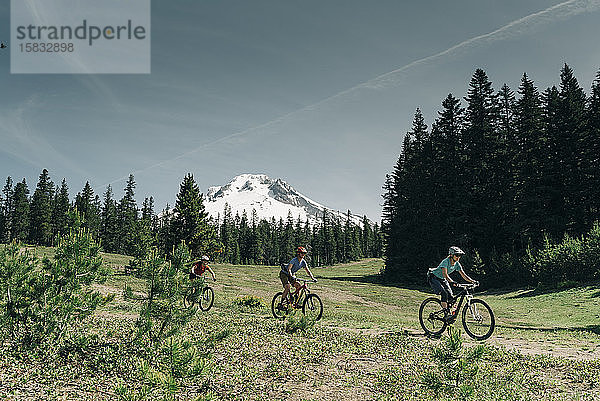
(296, 265)
(437, 271)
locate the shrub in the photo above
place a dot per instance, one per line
(573, 259)
(40, 300)
(249, 301)
(162, 314)
(297, 321)
(456, 368)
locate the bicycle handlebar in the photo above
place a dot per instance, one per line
(467, 286)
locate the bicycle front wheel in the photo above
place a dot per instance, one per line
(431, 317)
(206, 298)
(478, 319)
(313, 307)
(279, 311)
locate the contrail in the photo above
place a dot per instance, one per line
(515, 28)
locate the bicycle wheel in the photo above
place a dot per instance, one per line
(313, 306)
(478, 319)
(431, 317)
(276, 308)
(190, 298)
(206, 299)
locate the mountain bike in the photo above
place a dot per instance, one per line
(202, 294)
(477, 316)
(310, 303)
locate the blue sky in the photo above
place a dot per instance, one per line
(318, 93)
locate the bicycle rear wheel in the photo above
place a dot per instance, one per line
(478, 319)
(190, 298)
(206, 299)
(278, 310)
(313, 307)
(431, 317)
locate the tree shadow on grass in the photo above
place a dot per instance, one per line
(376, 279)
(593, 328)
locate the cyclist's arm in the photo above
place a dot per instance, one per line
(467, 278)
(290, 269)
(446, 276)
(309, 272)
(211, 273)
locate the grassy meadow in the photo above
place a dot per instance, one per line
(367, 346)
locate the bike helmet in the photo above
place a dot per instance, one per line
(301, 249)
(454, 250)
(205, 258)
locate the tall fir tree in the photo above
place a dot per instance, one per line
(19, 215)
(6, 210)
(40, 229)
(571, 124)
(61, 209)
(190, 223)
(109, 223)
(128, 219)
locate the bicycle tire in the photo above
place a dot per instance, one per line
(431, 314)
(313, 306)
(206, 299)
(277, 313)
(479, 323)
(190, 298)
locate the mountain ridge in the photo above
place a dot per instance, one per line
(268, 197)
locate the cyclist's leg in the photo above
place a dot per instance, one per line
(286, 286)
(441, 288)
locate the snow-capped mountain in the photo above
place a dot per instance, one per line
(269, 197)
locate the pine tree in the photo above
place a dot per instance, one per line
(530, 154)
(190, 219)
(60, 211)
(128, 219)
(571, 124)
(5, 211)
(109, 223)
(40, 229)
(19, 216)
(88, 207)
(592, 154)
(485, 167)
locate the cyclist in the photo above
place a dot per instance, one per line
(287, 274)
(199, 267)
(438, 277)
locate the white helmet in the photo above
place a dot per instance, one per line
(454, 250)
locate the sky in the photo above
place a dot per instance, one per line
(318, 93)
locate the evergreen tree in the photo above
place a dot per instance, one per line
(60, 211)
(40, 229)
(87, 205)
(591, 164)
(571, 124)
(128, 219)
(19, 216)
(109, 223)
(530, 154)
(190, 222)
(6, 206)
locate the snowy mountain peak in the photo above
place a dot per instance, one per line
(268, 197)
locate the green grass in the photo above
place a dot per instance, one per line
(368, 345)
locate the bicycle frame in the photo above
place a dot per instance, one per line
(464, 293)
(302, 291)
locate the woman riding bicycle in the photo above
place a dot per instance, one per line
(287, 274)
(199, 267)
(439, 280)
